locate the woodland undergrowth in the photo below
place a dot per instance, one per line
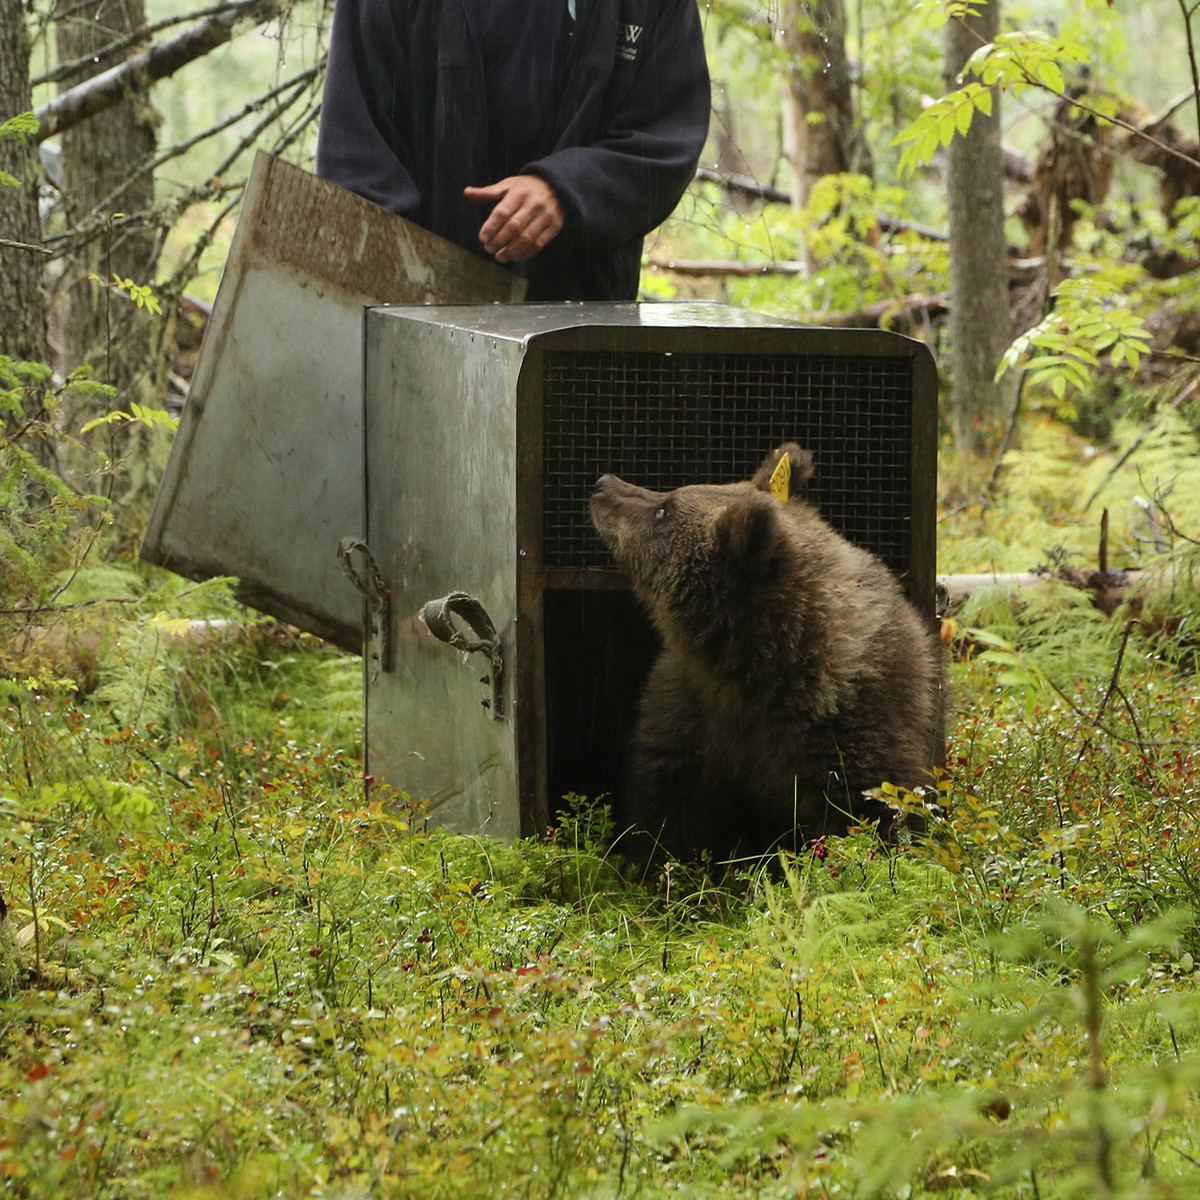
(229, 974)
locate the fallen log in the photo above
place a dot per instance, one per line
(1109, 588)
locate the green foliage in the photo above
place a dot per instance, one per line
(1091, 317)
(1056, 486)
(139, 294)
(21, 127)
(240, 975)
(44, 525)
(232, 971)
(1074, 1130)
(153, 417)
(1013, 62)
(1019, 60)
(834, 235)
(941, 122)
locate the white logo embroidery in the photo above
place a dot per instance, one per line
(628, 49)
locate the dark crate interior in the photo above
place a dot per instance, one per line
(599, 648)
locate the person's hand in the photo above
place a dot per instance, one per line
(526, 216)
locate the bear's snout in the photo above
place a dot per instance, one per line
(602, 483)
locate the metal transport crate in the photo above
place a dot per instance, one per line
(485, 428)
(265, 474)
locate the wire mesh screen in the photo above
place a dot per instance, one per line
(664, 420)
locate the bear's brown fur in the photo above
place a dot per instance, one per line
(794, 674)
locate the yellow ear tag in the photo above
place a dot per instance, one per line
(781, 477)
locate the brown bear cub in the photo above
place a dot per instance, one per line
(794, 674)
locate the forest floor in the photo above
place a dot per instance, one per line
(230, 976)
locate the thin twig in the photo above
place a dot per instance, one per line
(82, 235)
(24, 246)
(1116, 673)
(37, 924)
(1191, 45)
(297, 82)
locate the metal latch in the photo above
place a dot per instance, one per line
(378, 596)
(480, 634)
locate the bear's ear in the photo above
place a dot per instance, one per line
(784, 480)
(748, 527)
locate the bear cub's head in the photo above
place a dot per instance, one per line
(685, 547)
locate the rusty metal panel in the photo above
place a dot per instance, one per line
(265, 475)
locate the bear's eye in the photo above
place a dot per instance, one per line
(660, 513)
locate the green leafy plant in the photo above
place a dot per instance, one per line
(139, 294)
(1014, 61)
(1091, 317)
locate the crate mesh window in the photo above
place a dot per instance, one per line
(665, 420)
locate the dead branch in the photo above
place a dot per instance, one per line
(745, 185)
(119, 45)
(718, 267)
(23, 246)
(139, 72)
(295, 85)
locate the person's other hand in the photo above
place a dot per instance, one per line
(526, 216)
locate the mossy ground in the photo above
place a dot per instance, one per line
(238, 978)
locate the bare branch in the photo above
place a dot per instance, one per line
(713, 267)
(1173, 106)
(23, 246)
(745, 184)
(119, 45)
(138, 73)
(296, 85)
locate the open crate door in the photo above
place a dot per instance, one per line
(265, 475)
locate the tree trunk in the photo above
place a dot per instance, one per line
(22, 295)
(103, 328)
(819, 129)
(980, 325)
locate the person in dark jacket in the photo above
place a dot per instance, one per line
(552, 135)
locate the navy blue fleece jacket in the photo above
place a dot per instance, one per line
(404, 123)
